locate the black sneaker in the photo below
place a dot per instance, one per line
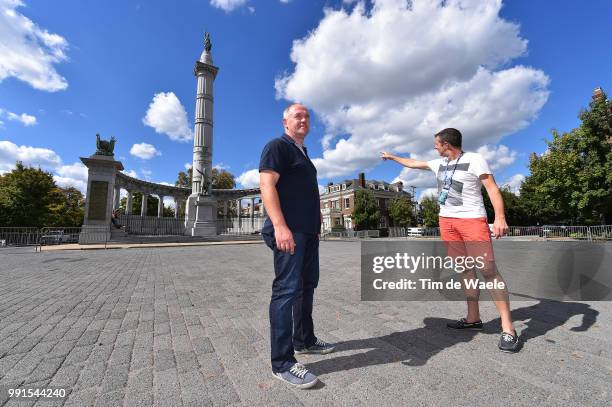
(463, 324)
(508, 342)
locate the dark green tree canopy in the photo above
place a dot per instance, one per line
(572, 182)
(429, 211)
(401, 212)
(30, 197)
(365, 213)
(220, 179)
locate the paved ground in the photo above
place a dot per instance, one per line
(188, 326)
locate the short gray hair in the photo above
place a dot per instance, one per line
(288, 109)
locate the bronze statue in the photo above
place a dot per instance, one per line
(207, 43)
(104, 147)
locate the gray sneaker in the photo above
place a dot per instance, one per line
(320, 347)
(508, 342)
(298, 376)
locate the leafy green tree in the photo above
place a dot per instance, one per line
(220, 179)
(67, 207)
(430, 210)
(401, 212)
(26, 197)
(514, 211)
(572, 181)
(365, 213)
(184, 179)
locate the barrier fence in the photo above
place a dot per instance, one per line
(251, 227)
(152, 225)
(240, 226)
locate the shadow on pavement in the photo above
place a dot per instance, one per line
(415, 347)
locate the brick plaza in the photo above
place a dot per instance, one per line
(188, 326)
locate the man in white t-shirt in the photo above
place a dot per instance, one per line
(463, 222)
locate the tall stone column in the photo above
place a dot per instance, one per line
(224, 209)
(252, 213)
(129, 203)
(177, 206)
(160, 207)
(143, 206)
(201, 208)
(117, 198)
(238, 213)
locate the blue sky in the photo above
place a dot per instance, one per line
(377, 75)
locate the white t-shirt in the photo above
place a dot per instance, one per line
(464, 197)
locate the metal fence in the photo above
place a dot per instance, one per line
(414, 232)
(351, 234)
(152, 225)
(240, 226)
(552, 232)
(19, 237)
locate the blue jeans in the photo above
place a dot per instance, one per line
(297, 276)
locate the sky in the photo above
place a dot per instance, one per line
(377, 75)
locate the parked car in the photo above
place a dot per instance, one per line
(416, 232)
(55, 237)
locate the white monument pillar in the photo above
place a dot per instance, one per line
(143, 205)
(201, 210)
(129, 203)
(117, 197)
(160, 206)
(177, 205)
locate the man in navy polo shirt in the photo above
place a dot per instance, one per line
(290, 192)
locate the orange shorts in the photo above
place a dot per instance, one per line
(467, 236)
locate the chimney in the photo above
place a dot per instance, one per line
(362, 180)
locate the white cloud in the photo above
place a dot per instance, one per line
(74, 175)
(24, 118)
(146, 174)
(497, 157)
(219, 166)
(130, 173)
(29, 52)
(389, 77)
(249, 179)
(31, 156)
(514, 183)
(188, 166)
(144, 151)
(417, 178)
(167, 116)
(285, 1)
(428, 192)
(227, 5)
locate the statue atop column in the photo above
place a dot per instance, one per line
(207, 43)
(104, 147)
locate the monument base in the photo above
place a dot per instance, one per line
(201, 216)
(91, 234)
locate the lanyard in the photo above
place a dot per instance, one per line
(452, 174)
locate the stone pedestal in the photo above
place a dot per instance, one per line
(100, 196)
(201, 216)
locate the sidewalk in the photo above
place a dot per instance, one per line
(188, 326)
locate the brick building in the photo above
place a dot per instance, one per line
(338, 200)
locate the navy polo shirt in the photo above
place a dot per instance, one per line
(297, 186)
